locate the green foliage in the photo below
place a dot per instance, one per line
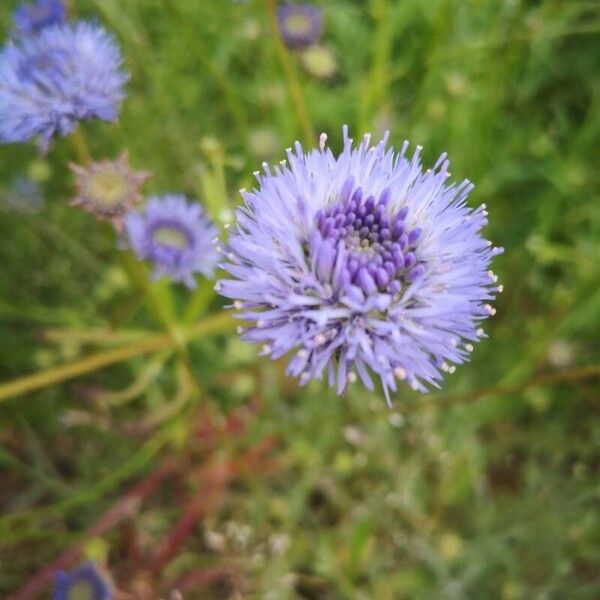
(486, 499)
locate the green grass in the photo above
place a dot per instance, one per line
(489, 498)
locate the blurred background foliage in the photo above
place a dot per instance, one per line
(456, 495)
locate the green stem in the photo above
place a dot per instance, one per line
(88, 494)
(158, 294)
(291, 76)
(375, 85)
(80, 147)
(218, 323)
(93, 336)
(143, 381)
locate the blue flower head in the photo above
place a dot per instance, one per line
(51, 81)
(175, 236)
(361, 264)
(300, 25)
(31, 18)
(83, 583)
(23, 196)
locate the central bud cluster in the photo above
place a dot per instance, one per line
(109, 186)
(380, 247)
(171, 236)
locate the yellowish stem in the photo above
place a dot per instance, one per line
(80, 147)
(215, 324)
(575, 374)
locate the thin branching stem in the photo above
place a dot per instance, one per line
(564, 375)
(217, 323)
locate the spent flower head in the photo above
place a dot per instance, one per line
(108, 188)
(300, 25)
(175, 236)
(51, 81)
(84, 582)
(361, 264)
(31, 17)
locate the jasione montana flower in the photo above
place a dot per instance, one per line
(175, 236)
(300, 25)
(51, 81)
(361, 263)
(85, 581)
(31, 18)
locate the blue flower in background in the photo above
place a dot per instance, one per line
(51, 81)
(31, 18)
(361, 263)
(300, 25)
(23, 196)
(175, 236)
(83, 583)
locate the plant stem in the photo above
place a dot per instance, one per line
(217, 323)
(575, 374)
(291, 76)
(80, 147)
(375, 84)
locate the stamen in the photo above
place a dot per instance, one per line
(322, 141)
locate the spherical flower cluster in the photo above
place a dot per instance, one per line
(85, 581)
(108, 188)
(300, 25)
(361, 264)
(175, 236)
(31, 18)
(51, 81)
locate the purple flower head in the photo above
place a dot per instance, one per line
(300, 25)
(31, 18)
(175, 236)
(83, 583)
(361, 264)
(51, 81)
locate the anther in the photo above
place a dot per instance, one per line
(400, 373)
(322, 141)
(320, 339)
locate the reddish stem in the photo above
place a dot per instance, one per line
(125, 507)
(212, 481)
(203, 578)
